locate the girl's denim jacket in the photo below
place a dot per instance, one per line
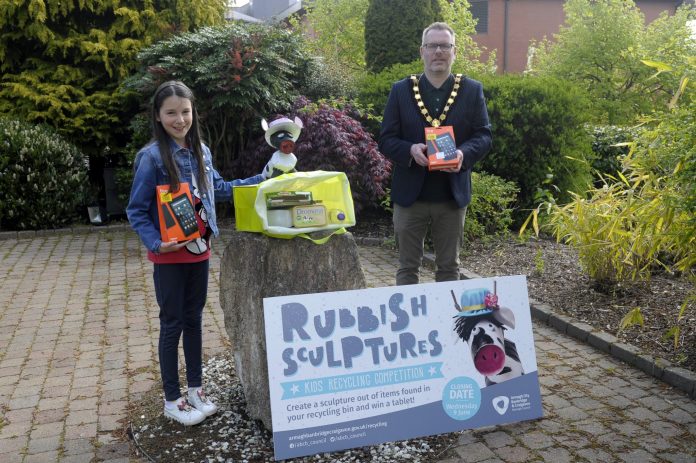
(150, 172)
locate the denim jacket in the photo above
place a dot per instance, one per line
(150, 172)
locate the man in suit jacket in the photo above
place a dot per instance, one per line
(423, 198)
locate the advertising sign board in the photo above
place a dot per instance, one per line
(355, 368)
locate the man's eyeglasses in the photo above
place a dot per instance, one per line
(435, 46)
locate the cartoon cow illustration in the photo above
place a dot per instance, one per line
(481, 323)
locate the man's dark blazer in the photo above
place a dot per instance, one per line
(403, 125)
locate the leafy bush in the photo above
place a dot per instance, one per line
(62, 62)
(538, 138)
(489, 213)
(42, 177)
(141, 133)
(644, 218)
(326, 79)
(239, 73)
(331, 140)
(607, 155)
(335, 30)
(600, 48)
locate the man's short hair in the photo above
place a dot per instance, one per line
(439, 26)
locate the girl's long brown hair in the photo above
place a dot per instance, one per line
(193, 137)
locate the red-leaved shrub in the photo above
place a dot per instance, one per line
(331, 140)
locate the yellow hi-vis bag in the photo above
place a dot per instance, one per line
(330, 207)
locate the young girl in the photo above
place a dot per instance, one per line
(176, 155)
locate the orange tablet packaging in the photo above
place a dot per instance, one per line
(177, 217)
(441, 147)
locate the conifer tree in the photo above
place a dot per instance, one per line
(393, 30)
(62, 61)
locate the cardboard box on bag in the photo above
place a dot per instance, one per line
(177, 216)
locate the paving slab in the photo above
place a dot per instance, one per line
(78, 344)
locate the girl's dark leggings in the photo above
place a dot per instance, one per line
(181, 291)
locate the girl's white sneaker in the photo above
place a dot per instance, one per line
(184, 413)
(198, 400)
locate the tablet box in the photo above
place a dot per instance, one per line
(441, 147)
(177, 217)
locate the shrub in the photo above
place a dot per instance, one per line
(642, 219)
(607, 155)
(141, 134)
(62, 62)
(600, 48)
(239, 73)
(538, 137)
(42, 177)
(326, 79)
(335, 30)
(331, 140)
(490, 212)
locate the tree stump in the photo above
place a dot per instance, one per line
(255, 266)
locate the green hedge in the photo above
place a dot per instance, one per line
(539, 139)
(374, 88)
(43, 178)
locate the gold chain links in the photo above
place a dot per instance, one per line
(424, 111)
